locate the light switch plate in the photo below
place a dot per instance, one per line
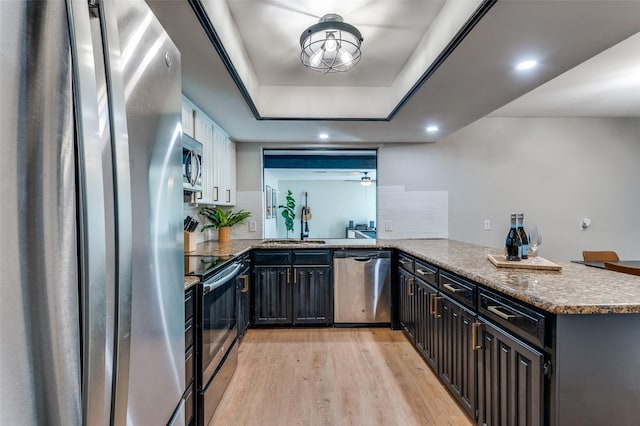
(487, 225)
(387, 226)
(252, 226)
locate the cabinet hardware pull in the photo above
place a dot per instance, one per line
(215, 191)
(405, 262)
(288, 275)
(496, 310)
(452, 288)
(410, 283)
(295, 276)
(199, 196)
(245, 283)
(425, 273)
(228, 195)
(436, 314)
(432, 310)
(474, 335)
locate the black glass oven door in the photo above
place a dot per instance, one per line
(219, 319)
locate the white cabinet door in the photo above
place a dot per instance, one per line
(225, 168)
(231, 172)
(204, 135)
(218, 162)
(188, 113)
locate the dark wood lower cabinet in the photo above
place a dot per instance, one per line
(458, 359)
(510, 380)
(442, 331)
(292, 287)
(427, 336)
(407, 303)
(272, 295)
(312, 295)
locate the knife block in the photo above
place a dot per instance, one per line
(189, 241)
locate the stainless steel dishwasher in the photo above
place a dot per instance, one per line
(362, 286)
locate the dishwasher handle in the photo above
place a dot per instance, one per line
(363, 259)
(362, 255)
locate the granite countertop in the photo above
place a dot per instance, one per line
(190, 281)
(576, 289)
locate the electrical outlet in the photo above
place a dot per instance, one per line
(252, 226)
(487, 225)
(387, 226)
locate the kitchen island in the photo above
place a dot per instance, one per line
(589, 352)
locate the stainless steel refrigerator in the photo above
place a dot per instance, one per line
(92, 295)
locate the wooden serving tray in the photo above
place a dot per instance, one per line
(542, 263)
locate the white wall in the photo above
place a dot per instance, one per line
(333, 204)
(555, 170)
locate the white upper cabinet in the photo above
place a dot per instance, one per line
(224, 176)
(204, 135)
(188, 115)
(218, 156)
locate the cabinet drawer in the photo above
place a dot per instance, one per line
(188, 334)
(188, 304)
(405, 262)
(312, 257)
(426, 272)
(272, 257)
(188, 367)
(461, 290)
(188, 405)
(516, 317)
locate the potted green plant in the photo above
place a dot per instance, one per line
(289, 211)
(223, 220)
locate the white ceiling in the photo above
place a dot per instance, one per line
(475, 80)
(270, 32)
(607, 85)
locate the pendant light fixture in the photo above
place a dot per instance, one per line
(331, 45)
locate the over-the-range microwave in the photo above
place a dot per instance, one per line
(191, 164)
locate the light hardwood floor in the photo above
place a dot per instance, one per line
(334, 376)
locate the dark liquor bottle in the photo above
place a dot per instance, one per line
(513, 242)
(523, 237)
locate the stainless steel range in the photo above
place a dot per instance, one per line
(216, 328)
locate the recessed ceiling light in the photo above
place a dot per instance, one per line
(323, 136)
(526, 65)
(432, 129)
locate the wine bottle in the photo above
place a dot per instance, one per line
(513, 242)
(523, 237)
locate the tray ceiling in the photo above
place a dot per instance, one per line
(476, 79)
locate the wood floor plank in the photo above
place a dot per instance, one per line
(334, 376)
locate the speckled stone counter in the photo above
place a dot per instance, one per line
(576, 289)
(190, 281)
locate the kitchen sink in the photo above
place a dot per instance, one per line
(294, 242)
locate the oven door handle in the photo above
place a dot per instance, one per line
(229, 274)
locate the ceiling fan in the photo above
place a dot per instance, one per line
(365, 179)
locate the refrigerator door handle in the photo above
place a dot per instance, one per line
(91, 219)
(123, 194)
